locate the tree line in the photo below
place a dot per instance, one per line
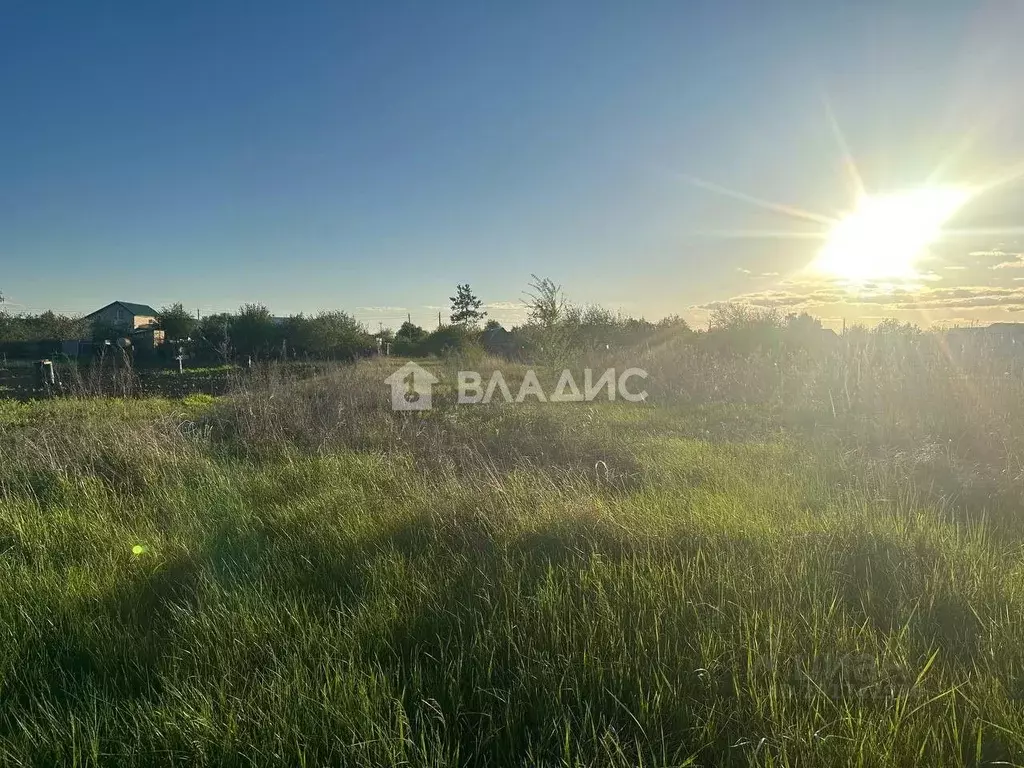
(552, 325)
(552, 328)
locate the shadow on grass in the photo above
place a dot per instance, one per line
(109, 646)
(514, 652)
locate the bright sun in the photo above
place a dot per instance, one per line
(886, 234)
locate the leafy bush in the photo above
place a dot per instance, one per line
(409, 340)
(449, 339)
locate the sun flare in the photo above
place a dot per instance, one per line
(886, 235)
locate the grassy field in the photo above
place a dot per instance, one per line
(295, 575)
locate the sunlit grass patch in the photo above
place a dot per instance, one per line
(310, 578)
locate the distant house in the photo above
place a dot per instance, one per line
(498, 341)
(137, 321)
(123, 315)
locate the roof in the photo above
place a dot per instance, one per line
(136, 309)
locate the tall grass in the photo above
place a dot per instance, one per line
(297, 575)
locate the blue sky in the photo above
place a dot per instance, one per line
(368, 156)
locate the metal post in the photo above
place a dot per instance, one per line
(45, 378)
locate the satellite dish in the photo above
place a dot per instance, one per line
(124, 343)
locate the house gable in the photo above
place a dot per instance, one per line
(125, 315)
(136, 310)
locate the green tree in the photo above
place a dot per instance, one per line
(214, 333)
(253, 331)
(326, 336)
(61, 327)
(297, 334)
(409, 339)
(410, 332)
(338, 336)
(176, 322)
(545, 303)
(743, 329)
(674, 322)
(46, 326)
(466, 307)
(449, 339)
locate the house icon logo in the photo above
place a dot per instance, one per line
(410, 388)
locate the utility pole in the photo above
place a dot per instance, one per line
(439, 319)
(408, 317)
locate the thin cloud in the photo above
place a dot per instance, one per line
(997, 258)
(754, 275)
(897, 299)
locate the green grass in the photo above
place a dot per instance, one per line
(321, 584)
(210, 370)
